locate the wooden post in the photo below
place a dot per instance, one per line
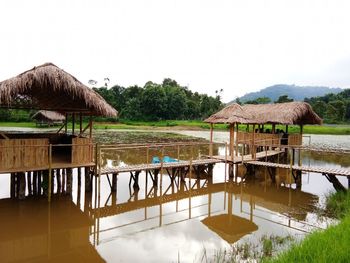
(50, 174)
(58, 179)
(87, 179)
(253, 143)
(114, 182)
(22, 185)
(29, 183)
(232, 139)
(211, 140)
(35, 182)
(66, 124)
(90, 127)
(80, 123)
(69, 180)
(237, 126)
(73, 123)
(286, 128)
(64, 179)
(13, 185)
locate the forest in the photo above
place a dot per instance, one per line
(165, 101)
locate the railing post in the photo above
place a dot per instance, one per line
(50, 173)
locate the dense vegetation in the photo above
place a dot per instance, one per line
(333, 108)
(166, 101)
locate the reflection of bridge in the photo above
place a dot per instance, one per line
(281, 200)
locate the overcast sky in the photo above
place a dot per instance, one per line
(239, 46)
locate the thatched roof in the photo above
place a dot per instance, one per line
(48, 87)
(49, 115)
(295, 112)
(279, 113)
(232, 113)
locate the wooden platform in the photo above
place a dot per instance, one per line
(155, 166)
(322, 170)
(248, 157)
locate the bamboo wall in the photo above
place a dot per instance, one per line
(27, 154)
(268, 138)
(82, 150)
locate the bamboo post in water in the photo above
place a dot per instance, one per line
(50, 174)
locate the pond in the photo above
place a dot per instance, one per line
(170, 223)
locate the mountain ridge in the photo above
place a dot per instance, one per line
(298, 93)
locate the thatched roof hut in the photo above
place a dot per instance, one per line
(48, 87)
(48, 117)
(295, 112)
(233, 113)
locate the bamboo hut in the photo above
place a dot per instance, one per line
(231, 114)
(290, 113)
(48, 118)
(47, 87)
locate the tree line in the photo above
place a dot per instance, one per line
(332, 108)
(165, 101)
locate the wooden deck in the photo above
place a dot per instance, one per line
(322, 170)
(155, 166)
(248, 157)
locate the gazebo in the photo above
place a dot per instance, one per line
(48, 118)
(289, 113)
(47, 87)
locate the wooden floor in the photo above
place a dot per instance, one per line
(206, 160)
(322, 170)
(248, 157)
(155, 166)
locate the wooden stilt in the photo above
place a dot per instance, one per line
(114, 182)
(29, 183)
(13, 185)
(64, 180)
(22, 185)
(35, 182)
(58, 179)
(69, 181)
(88, 179)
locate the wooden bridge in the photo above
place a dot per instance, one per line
(313, 169)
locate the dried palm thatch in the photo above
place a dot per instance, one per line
(233, 113)
(51, 88)
(283, 113)
(48, 115)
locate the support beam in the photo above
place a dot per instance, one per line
(90, 126)
(66, 124)
(80, 123)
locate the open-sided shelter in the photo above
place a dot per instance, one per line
(48, 87)
(289, 113)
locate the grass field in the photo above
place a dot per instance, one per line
(195, 125)
(330, 245)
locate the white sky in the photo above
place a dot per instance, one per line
(240, 46)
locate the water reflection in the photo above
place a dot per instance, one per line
(152, 223)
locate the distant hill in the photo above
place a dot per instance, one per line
(295, 92)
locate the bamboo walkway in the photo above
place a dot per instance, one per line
(248, 157)
(156, 166)
(322, 170)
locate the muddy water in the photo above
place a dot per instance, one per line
(165, 224)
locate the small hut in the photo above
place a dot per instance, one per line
(289, 113)
(47, 87)
(48, 118)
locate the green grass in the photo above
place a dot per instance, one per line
(196, 124)
(330, 245)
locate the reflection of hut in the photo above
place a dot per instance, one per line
(32, 231)
(230, 227)
(48, 118)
